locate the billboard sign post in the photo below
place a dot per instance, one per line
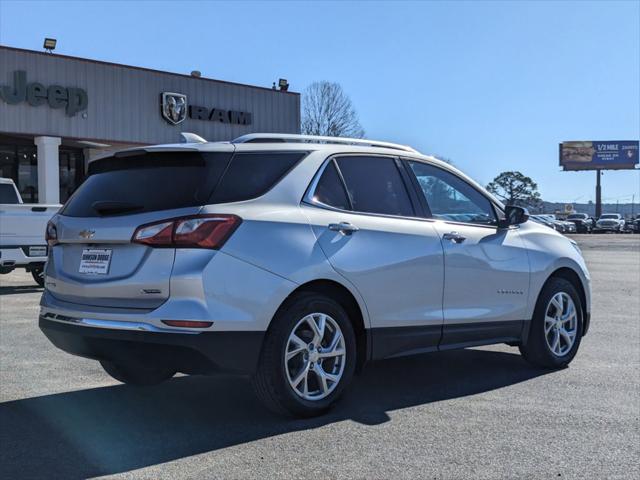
(599, 155)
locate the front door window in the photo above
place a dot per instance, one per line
(451, 198)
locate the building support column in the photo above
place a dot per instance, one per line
(48, 169)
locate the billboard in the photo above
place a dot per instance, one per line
(599, 155)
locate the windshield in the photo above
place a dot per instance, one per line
(611, 215)
(576, 216)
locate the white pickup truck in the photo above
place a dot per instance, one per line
(22, 229)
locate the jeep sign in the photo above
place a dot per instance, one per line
(73, 100)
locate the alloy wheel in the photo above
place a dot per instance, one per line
(560, 324)
(315, 356)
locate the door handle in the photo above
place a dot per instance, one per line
(344, 228)
(455, 237)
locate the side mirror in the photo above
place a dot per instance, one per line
(513, 216)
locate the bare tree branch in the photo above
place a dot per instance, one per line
(327, 110)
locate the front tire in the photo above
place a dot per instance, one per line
(134, 375)
(556, 328)
(308, 357)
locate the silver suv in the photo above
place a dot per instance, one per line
(296, 260)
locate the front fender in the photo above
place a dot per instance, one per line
(548, 252)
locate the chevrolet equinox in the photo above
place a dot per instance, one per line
(295, 260)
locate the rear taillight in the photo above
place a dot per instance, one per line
(51, 234)
(198, 231)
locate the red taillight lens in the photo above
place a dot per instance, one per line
(51, 234)
(199, 231)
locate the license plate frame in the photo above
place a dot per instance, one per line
(37, 251)
(95, 261)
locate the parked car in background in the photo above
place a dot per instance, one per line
(610, 222)
(569, 227)
(632, 225)
(328, 254)
(547, 222)
(22, 232)
(558, 225)
(583, 222)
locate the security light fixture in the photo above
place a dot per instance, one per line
(49, 44)
(283, 84)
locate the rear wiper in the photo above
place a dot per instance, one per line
(107, 207)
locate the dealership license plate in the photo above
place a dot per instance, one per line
(37, 251)
(95, 261)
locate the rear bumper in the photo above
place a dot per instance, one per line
(192, 353)
(18, 256)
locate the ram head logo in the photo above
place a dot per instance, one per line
(174, 107)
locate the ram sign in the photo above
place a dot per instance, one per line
(599, 155)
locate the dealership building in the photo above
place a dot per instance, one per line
(58, 112)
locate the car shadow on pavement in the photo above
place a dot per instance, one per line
(116, 429)
(17, 289)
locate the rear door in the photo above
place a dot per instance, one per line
(95, 262)
(486, 269)
(371, 236)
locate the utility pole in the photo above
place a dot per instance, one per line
(598, 195)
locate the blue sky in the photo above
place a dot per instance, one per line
(491, 85)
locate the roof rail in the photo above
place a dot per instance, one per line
(286, 137)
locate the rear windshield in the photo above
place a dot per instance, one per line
(8, 193)
(168, 180)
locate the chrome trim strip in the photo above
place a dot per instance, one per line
(115, 324)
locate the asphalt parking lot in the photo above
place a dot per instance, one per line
(480, 413)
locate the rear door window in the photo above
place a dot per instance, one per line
(375, 185)
(330, 189)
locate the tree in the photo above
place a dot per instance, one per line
(514, 188)
(327, 110)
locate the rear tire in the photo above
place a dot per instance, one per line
(138, 376)
(38, 275)
(556, 328)
(303, 369)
